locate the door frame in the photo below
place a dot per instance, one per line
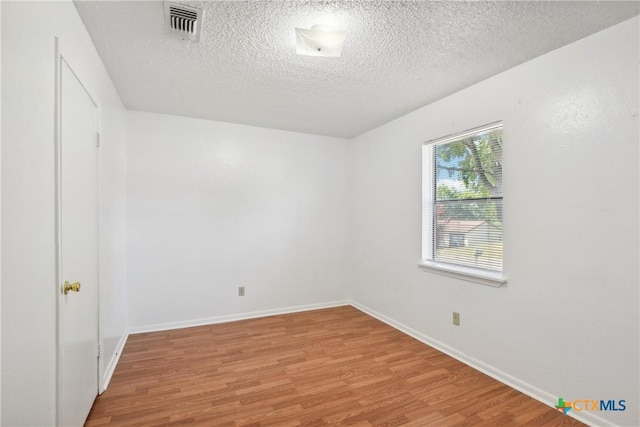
(61, 59)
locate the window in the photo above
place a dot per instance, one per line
(462, 205)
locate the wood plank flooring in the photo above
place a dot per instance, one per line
(327, 367)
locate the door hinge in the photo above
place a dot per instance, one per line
(98, 139)
(99, 351)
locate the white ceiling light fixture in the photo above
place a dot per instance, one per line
(319, 40)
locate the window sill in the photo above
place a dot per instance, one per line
(488, 278)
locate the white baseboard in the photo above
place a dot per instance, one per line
(234, 317)
(522, 386)
(108, 373)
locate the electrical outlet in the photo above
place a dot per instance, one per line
(240, 291)
(456, 318)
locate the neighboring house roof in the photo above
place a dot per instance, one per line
(460, 227)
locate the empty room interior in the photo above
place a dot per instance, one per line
(315, 213)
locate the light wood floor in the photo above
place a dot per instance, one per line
(328, 367)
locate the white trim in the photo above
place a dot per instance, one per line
(462, 135)
(234, 317)
(488, 278)
(513, 382)
(111, 368)
(57, 137)
(427, 201)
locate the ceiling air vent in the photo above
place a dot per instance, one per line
(183, 21)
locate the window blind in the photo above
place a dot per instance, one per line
(465, 207)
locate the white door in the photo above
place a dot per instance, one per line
(78, 250)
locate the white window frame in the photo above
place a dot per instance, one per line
(428, 263)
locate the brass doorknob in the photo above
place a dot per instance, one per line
(75, 287)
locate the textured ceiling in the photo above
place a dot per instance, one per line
(398, 56)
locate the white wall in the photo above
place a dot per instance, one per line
(28, 273)
(213, 206)
(301, 219)
(566, 324)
